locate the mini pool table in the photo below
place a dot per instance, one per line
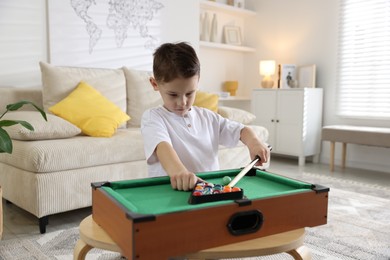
(147, 219)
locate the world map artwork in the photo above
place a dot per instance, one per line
(121, 15)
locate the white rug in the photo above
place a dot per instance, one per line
(358, 228)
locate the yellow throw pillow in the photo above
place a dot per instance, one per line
(207, 100)
(93, 113)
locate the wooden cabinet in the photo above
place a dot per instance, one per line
(293, 118)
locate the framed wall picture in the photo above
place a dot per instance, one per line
(307, 76)
(232, 35)
(288, 76)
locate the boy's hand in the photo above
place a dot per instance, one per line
(185, 180)
(255, 145)
(260, 149)
(181, 178)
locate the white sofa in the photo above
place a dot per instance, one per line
(51, 169)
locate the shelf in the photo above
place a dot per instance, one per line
(226, 46)
(235, 98)
(214, 6)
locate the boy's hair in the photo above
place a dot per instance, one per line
(175, 60)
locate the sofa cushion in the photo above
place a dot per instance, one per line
(207, 100)
(77, 152)
(55, 127)
(236, 114)
(58, 82)
(140, 95)
(91, 111)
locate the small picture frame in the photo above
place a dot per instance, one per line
(307, 76)
(232, 35)
(287, 76)
(239, 3)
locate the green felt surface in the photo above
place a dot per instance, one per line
(155, 195)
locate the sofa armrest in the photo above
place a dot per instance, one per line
(9, 95)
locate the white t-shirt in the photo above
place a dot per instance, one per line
(195, 137)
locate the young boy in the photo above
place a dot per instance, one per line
(181, 139)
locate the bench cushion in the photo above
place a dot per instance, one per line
(374, 136)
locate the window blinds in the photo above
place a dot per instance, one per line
(364, 59)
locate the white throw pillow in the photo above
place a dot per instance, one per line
(54, 128)
(58, 82)
(236, 114)
(140, 95)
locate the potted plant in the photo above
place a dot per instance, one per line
(5, 139)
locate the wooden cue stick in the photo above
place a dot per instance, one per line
(243, 172)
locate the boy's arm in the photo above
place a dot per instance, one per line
(254, 144)
(181, 178)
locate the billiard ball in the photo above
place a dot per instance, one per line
(236, 189)
(226, 180)
(227, 189)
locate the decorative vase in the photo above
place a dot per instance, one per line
(231, 87)
(214, 29)
(205, 28)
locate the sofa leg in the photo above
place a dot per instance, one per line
(43, 221)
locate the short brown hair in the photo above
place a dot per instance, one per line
(175, 60)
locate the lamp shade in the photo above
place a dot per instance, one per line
(267, 67)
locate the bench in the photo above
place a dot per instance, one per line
(372, 136)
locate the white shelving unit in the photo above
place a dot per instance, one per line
(231, 10)
(226, 46)
(240, 102)
(222, 61)
(235, 98)
(214, 6)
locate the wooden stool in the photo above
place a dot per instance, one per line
(93, 236)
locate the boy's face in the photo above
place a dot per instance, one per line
(179, 94)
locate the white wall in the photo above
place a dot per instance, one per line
(22, 41)
(26, 39)
(180, 22)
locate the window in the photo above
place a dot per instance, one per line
(364, 59)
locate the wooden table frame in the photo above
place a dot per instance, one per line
(140, 235)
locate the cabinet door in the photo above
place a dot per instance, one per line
(264, 108)
(289, 116)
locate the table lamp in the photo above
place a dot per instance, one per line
(267, 69)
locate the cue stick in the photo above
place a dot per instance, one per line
(243, 172)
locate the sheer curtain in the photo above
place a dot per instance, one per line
(364, 59)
